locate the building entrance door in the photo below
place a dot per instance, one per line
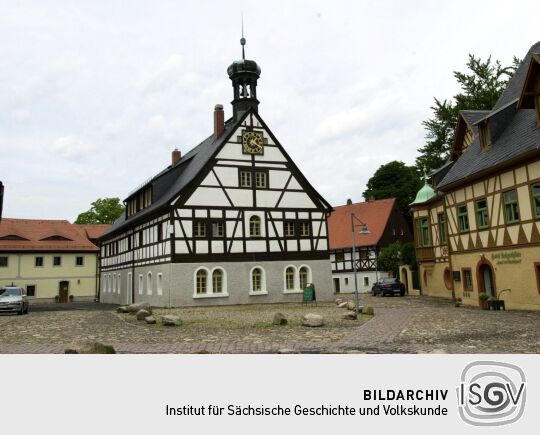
(63, 291)
(336, 285)
(487, 276)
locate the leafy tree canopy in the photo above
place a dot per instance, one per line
(481, 86)
(102, 211)
(394, 180)
(391, 256)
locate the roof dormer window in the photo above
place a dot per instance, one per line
(485, 135)
(139, 201)
(537, 105)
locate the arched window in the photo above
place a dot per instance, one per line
(256, 280)
(217, 281)
(201, 282)
(149, 283)
(118, 284)
(140, 284)
(304, 276)
(289, 278)
(254, 226)
(160, 284)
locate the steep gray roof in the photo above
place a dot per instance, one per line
(514, 132)
(169, 182)
(473, 116)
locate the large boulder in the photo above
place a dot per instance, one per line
(133, 308)
(86, 346)
(313, 320)
(368, 311)
(171, 320)
(143, 314)
(151, 320)
(349, 315)
(122, 309)
(351, 305)
(338, 301)
(279, 319)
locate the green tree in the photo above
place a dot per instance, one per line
(394, 180)
(391, 256)
(102, 211)
(481, 86)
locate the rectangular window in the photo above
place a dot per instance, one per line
(79, 261)
(140, 284)
(260, 180)
(245, 179)
(57, 261)
(38, 261)
(4, 262)
(463, 218)
(535, 191)
(30, 290)
(346, 281)
(218, 229)
(289, 229)
(366, 281)
(485, 135)
(160, 232)
(340, 256)
(424, 231)
(199, 229)
(141, 238)
(305, 229)
(511, 208)
(467, 280)
(442, 228)
(482, 219)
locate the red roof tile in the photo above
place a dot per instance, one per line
(35, 232)
(374, 214)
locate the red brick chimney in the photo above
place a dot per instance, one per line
(176, 156)
(219, 121)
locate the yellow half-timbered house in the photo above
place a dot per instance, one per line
(478, 229)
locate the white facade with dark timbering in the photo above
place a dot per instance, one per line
(232, 221)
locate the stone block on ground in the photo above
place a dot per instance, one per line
(171, 320)
(122, 309)
(89, 347)
(133, 308)
(351, 305)
(313, 320)
(279, 319)
(349, 315)
(368, 311)
(343, 305)
(338, 301)
(143, 314)
(151, 320)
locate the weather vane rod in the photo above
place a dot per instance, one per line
(243, 40)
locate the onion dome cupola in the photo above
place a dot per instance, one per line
(426, 193)
(244, 74)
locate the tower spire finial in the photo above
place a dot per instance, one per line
(242, 39)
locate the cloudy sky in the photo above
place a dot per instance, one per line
(94, 96)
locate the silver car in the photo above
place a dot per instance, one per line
(13, 300)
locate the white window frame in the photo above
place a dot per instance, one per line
(209, 284)
(141, 283)
(263, 290)
(296, 287)
(149, 283)
(119, 278)
(309, 279)
(159, 284)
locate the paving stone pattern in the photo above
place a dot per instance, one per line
(400, 325)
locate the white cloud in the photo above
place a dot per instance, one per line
(70, 147)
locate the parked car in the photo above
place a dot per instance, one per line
(388, 286)
(13, 300)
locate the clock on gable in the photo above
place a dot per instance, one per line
(252, 142)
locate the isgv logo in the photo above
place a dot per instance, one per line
(491, 393)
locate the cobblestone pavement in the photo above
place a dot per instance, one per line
(401, 325)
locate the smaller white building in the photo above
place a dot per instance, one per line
(385, 224)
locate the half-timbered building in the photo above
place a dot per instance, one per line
(385, 224)
(477, 224)
(232, 221)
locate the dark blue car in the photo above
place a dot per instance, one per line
(388, 286)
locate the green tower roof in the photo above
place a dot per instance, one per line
(425, 194)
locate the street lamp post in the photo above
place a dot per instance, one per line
(364, 230)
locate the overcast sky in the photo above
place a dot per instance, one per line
(94, 96)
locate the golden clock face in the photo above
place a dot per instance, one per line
(252, 142)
